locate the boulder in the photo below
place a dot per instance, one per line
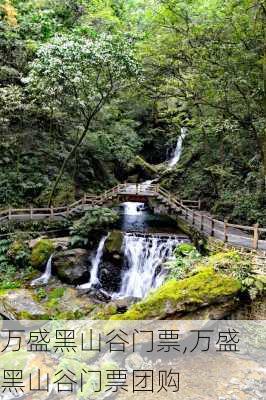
(181, 298)
(20, 304)
(113, 245)
(122, 305)
(41, 252)
(110, 275)
(72, 266)
(72, 306)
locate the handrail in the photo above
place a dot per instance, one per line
(185, 208)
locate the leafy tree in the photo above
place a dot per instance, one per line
(79, 76)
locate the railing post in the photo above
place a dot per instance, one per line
(51, 212)
(137, 188)
(201, 222)
(199, 204)
(9, 213)
(256, 236)
(212, 227)
(67, 211)
(31, 212)
(225, 230)
(157, 188)
(83, 202)
(193, 217)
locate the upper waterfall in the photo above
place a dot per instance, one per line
(178, 150)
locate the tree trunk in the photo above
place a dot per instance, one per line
(62, 169)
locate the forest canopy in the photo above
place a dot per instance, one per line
(86, 86)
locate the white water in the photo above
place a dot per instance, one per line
(144, 256)
(45, 277)
(132, 208)
(178, 150)
(96, 259)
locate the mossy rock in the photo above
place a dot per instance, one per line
(149, 168)
(41, 252)
(114, 242)
(21, 304)
(177, 298)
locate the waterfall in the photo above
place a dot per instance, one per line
(143, 257)
(134, 216)
(95, 262)
(132, 208)
(178, 150)
(44, 278)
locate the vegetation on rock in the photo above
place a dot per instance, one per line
(41, 252)
(181, 297)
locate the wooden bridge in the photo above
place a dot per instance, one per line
(188, 210)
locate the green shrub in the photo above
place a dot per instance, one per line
(94, 220)
(19, 253)
(185, 257)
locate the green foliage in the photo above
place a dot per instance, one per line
(40, 294)
(172, 64)
(7, 269)
(241, 267)
(94, 220)
(41, 252)
(185, 258)
(185, 249)
(19, 253)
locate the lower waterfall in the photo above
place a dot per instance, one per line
(44, 278)
(143, 258)
(95, 262)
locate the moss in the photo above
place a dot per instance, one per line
(41, 252)
(205, 287)
(225, 257)
(53, 296)
(151, 169)
(105, 312)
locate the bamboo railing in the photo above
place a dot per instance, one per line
(188, 210)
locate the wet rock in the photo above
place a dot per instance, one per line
(122, 305)
(73, 305)
(110, 275)
(95, 294)
(72, 266)
(20, 304)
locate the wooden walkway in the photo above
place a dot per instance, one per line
(188, 210)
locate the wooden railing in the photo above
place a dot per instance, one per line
(188, 210)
